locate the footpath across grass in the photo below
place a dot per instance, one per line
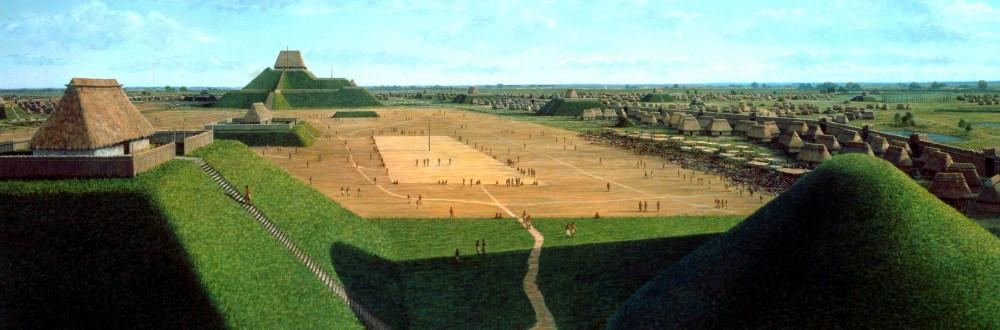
(585, 278)
(166, 250)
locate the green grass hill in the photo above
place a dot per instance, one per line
(658, 97)
(854, 244)
(569, 107)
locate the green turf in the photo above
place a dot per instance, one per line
(347, 97)
(355, 114)
(144, 257)
(585, 278)
(300, 135)
(569, 107)
(241, 99)
(304, 79)
(854, 244)
(266, 80)
(658, 97)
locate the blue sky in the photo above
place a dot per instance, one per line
(225, 43)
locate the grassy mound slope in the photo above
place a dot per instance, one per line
(403, 269)
(854, 244)
(355, 114)
(569, 107)
(241, 99)
(301, 135)
(303, 79)
(266, 80)
(658, 97)
(348, 97)
(590, 275)
(126, 253)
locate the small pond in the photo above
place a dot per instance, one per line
(936, 137)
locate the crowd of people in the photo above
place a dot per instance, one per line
(740, 176)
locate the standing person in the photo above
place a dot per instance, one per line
(451, 212)
(458, 256)
(657, 206)
(477, 246)
(645, 206)
(609, 186)
(484, 246)
(640, 206)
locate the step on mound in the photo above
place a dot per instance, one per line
(854, 244)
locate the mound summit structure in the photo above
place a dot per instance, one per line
(854, 244)
(290, 85)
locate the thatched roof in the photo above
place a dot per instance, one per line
(758, 131)
(689, 124)
(902, 144)
(798, 127)
(571, 94)
(813, 131)
(857, 147)
(289, 59)
(950, 186)
(258, 113)
(849, 136)
(968, 170)
(991, 191)
(92, 114)
(813, 153)
(898, 156)
(473, 90)
(719, 125)
(791, 141)
(743, 125)
(936, 161)
(829, 141)
(675, 118)
(878, 143)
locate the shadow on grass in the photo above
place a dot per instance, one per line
(96, 260)
(584, 284)
(480, 292)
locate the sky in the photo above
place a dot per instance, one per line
(225, 43)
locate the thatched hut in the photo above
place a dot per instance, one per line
(849, 136)
(988, 201)
(968, 170)
(258, 114)
(289, 59)
(571, 94)
(898, 157)
(675, 119)
(902, 144)
(798, 127)
(689, 126)
(772, 128)
(829, 141)
(812, 132)
(951, 188)
(93, 118)
(791, 141)
(760, 133)
(935, 161)
(719, 126)
(878, 143)
(857, 147)
(813, 153)
(473, 90)
(742, 127)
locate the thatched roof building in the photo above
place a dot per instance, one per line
(951, 188)
(571, 94)
(675, 119)
(473, 90)
(898, 157)
(791, 142)
(878, 143)
(968, 170)
(935, 161)
(742, 127)
(849, 136)
(289, 59)
(689, 125)
(814, 153)
(94, 117)
(829, 141)
(258, 114)
(798, 127)
(719, 126)
(813, 131)
(902, 144)
(991, 192)
(857, 147)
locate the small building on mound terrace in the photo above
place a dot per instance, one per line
(571, 94)
(94, 118)
(689, 125)
(289, 59)
(813, 153)
(96, 132)
(951, 188)
(258, 114)
(719, 127)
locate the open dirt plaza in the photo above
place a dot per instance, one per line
(384, 158)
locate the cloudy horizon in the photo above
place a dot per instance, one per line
(225, 43)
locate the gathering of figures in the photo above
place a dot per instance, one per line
(743, 178)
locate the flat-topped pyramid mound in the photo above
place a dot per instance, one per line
(854, 244)
(290, 85)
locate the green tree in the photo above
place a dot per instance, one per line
(914, 85)
(754, 85)
(183, 89)
(937, 85)
(852, 86)
(982, 84)
(168, 88)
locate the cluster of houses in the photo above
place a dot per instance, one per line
(980, 99)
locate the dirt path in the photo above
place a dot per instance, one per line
(543, 317)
